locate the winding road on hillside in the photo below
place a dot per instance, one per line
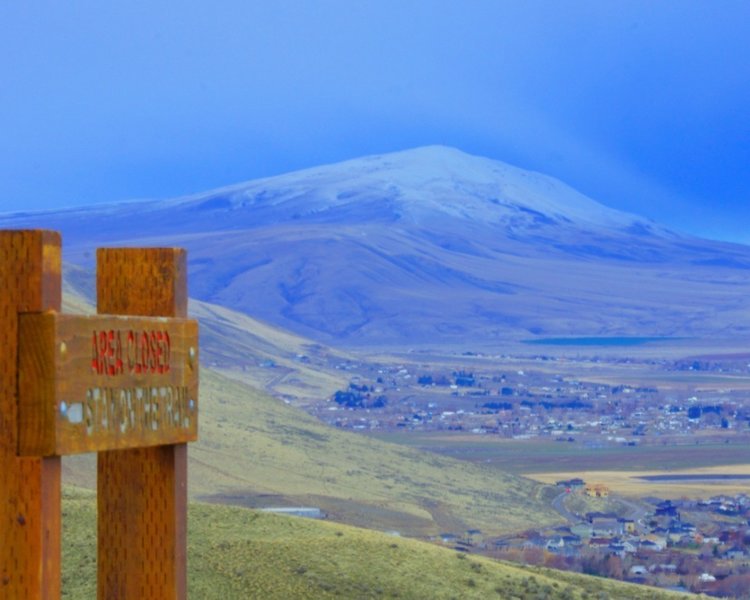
(637, 512)
(559, 505)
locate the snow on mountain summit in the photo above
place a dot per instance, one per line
(435, 180)
(432, 188)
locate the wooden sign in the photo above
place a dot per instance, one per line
(105, 383)
(123, 386)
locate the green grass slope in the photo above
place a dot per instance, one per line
(239, 553)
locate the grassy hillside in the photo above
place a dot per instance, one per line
(266, 357)
(252, 444)
(255, 450)
(239, 553)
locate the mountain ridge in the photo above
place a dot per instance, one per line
(418, 175)
(429, 246)
(437, 169)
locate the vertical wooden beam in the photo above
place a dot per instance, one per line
(142, 493)
(29, 487)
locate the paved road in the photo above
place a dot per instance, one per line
(636, 513)
(559, 505)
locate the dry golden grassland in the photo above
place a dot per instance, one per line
(627, 483)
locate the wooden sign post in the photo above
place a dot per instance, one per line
(123, 384)
(29, 486)
(142, 493)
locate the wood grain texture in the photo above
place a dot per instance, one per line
(142, 493)
(29, 487)
(142, 281)
(92, 383)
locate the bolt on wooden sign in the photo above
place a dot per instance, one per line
(123, 384)
(105, 383)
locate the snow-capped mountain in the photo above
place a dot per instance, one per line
(429, 245)
(426, 182)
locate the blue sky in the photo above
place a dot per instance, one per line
(644, 106)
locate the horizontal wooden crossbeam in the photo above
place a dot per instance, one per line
(93, 383)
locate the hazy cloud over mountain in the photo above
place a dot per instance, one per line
(639, 104)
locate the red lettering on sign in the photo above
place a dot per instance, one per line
(142, 352)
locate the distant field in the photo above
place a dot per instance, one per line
(536, 456)
(634, 483)
(597, 341)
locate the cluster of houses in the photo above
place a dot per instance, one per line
(525, 404)
(693, 545)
